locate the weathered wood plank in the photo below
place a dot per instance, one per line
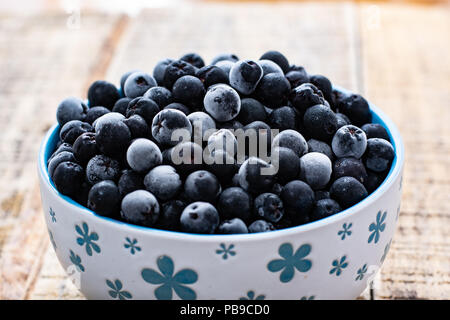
(406, 70)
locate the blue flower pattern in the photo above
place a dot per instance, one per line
(87, 239)
(345, 230)
(169, 282)
(251, 296)
(52, 240)
(308, 298)
(291, 261)
(132, 245)
(339, 266)
(52, 214)
(226, 251)
(116, 291)
(76, 260)
(377, 227)
(361, 272)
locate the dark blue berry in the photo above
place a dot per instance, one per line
(305, 96)
(297, 77)
(324, 208)
(199, 217)
(233, 226)
(103, 93)
(121, 105)
(189, 90)
(315, 169)
(101, 167)
(278, 58)
(60, 157)
(291, 139)
(137, 84)
(211, 74)
(320, 122)
(202, 185)
(320, 146)
(256, 175)
(269, 66)
(73, 129)
(234, 202)
(71, 109)
(245, 76)
(124, 78)
(273, 90)
(162, 96)
(138, 126)
(260, 226)
(323, 84)
(68, 178)
(176, 70)
(140, 207)
(169, 217)
(283, 118)
(287, 162)
(222, 102)
(221, 164)
(95, 112)
(166, 123)
(144, 107)
(251, 110)
(347, 191)
(356, 109)
(349, 141)
(130, 181)
(194, 59)
(379, 154)
(164, 182)
(113, 138)
(350, 167)
(104, 198)
(374, 180)
(375, 130)
(143, 155)
(85, 147)
(342, 120)
(269, 207)
(224, 57)
(160, 70)
(178, 106)
(298, 200)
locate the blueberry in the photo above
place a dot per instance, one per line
(186, 157)
(347, 191)
(221, 164)
(260, 226)
(245, 76)
(350, 167)
(305, 96)
(379, 154)
(202, 185)
(137, 84)
(269, 66)
(222, 102)
(349, 141)
(162, 96)
(202, 125)
(225, 57)
(210, 75)
(62, 147)
(144, 107)
(320, 146)
(176, 70)
(225, 65)
(321, 194)
(324, 208)
(278, 58)
(232, 124)
(233, 226)
(100, 168)
(277, 188)
(283, 118)
(256, 175)
(169, 217)
(199, 217)
(143, 155)
(168, 123)
(298, 200)
(257, 134)
(73, 129)
(251, 110)
(163, 181)
(85, 148)
(140, 207)
(68, 178)
(160, 70)
(138, 126)
(83, 194)
(273, 90)
(269, 207)
(287, 162)
(224, 140)
(374, 180)
(71, 109)
(297, 77)
(178, 106)
(189, 90)
(291, 139)
(375, 130)
(94, 113)
(194, 59)
(320, 122)
(342, 120)
(113, 138)
(234, 202)
(124, 78)
(104, 198)
(356, 109)
(103, 93)
(130, 181)
(62, 156)
(315, 169)
(323, 84)
(107, 118)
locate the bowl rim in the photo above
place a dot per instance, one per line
(378, 116)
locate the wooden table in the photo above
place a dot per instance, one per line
(395, 55)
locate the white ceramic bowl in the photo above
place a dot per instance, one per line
(333, 258)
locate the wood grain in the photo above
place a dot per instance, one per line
(394, 54)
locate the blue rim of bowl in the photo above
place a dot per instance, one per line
(378, 116)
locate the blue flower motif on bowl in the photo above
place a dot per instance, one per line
(87, 239)
(116, 292)
(252, 296)
(377, 227)
(339, 265)
(291, 261)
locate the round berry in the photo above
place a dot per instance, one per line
(143, 155)
(71, 109)
(233, 226)
(103, 93)
(349, 141)
(73, 129)
(291, 139)
(347, 191)
(273, 90)
(234, 202)
(251, 110)
(101, 168)
(137, 84)
(194, 59)
(188, 90)
(202, 185)
(210, 75)
(199, 217)
(222, 102)
(269, 207)
(245, 76)
(298, 200)
(260, 226)
(320, 122)
(68, 178)
(256, 175)
(162, 96)
(140, 207)
(350, 167)
(278, 58)
(171, 126)
(379, 154)
(324, 208)
(113, 138)
(163, 181)
(104, 198)
(85, 147)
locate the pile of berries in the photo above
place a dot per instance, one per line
(167, 150)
